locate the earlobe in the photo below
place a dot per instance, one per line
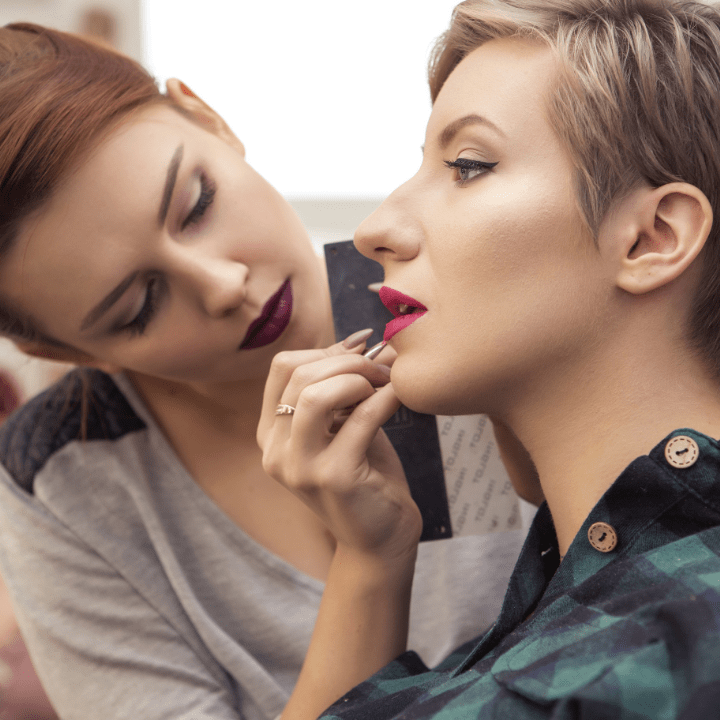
(658, 233)
(201, 112)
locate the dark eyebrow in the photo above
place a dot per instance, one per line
(454, 128)
(107, 302)
(172, 173)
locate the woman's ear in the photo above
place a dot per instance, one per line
(655, 234)
(60, 353)
(201, 112)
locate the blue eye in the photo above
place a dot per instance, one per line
(204, 201)
(467, 169)
(149, 307)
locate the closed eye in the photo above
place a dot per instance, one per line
(204, 201)
(139, 323)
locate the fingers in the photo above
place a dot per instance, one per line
(364, 408)
(349, 475)
(307, 379)
(315, 373)
(285, 363)
(359, 430)
(295, 446)
(305, 456)
(312, 424)
(318, 390)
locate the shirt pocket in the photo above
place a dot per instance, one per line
(621, 664)
(567, 660)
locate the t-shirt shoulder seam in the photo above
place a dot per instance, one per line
(83, 406)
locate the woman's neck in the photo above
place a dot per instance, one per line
(228, 409)
(585, 428)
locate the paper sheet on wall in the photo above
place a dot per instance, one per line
(480, 496)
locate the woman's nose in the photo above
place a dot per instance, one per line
(392, 232)
(220, 284)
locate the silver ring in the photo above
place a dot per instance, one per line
(284, 410)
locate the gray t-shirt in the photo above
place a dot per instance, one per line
(139, 598)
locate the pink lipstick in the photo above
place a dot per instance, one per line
(405, 309)
(273, 319)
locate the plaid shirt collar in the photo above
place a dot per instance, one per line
(643, 506)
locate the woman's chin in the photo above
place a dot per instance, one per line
(424, 394)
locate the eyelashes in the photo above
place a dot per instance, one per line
(149, 307)
(153, 290)
(155, 285)
(467, 169)
(204, 201)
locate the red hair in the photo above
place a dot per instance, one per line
(59, 94)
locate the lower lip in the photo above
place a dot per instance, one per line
(400, 323)
(273, 320)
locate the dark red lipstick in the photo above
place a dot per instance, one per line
(405, 309)
(273, 319)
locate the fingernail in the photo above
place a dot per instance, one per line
(356, 338)
(384, 368)
(375, 287)
(374, 351)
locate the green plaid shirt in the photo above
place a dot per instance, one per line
(624, 634)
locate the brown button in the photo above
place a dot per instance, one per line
(682, 451)
(602, 536)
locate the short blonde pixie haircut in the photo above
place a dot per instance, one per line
(637, 99)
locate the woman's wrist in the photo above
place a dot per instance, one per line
(382, 569)
(362, 625)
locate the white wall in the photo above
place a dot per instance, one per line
(329, 96)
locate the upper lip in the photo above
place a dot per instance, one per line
(398, 303)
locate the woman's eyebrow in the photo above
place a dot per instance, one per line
(107, 302)
(455, 126)
(172, 173)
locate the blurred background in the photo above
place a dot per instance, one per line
(330, 98)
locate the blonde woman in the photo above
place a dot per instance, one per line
(553, 263)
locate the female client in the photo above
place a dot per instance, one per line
(555, 264)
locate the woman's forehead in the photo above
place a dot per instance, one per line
(505, 80)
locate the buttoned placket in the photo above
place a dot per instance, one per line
(607, 534)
